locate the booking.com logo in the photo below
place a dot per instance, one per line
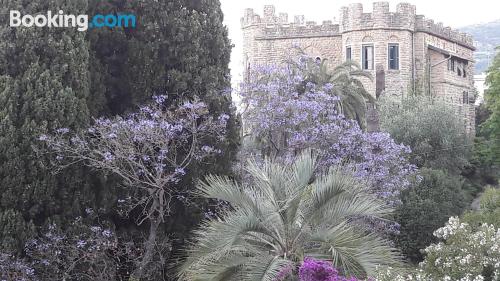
(60, 19)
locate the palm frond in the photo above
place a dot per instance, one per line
(265, 268)
(287, 213)
(352, 250)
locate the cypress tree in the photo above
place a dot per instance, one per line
(179, 48)
(44, 85)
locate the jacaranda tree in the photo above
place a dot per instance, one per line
(150, 152)
(283, 116)
(353, 97)
(288, 213)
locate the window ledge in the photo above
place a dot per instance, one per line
(393, 71)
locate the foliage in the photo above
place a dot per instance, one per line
(426, 206)
(464, 253)
(318, 270)
(347, 80)
(44, 84)
(492, 100)
(13, 269)
(287, 214)
(84, 253)
(179, 48)
(437, 138)
(482, 170)
(149, 151)
(489, 210)
(284, 121)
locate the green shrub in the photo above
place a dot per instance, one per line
(426, 207)
(431, 128)
(489, 211)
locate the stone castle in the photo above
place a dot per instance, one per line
(403, 51)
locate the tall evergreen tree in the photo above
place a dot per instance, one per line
(490, 130)
(179, 48)
(44, 85)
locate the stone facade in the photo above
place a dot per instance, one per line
(430, 58)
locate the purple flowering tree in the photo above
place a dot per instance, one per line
(83, 253)
(284, 115)
(13, 269)
(149, 150)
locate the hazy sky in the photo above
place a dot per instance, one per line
(451, 12)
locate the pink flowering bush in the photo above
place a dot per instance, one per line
(319, 270)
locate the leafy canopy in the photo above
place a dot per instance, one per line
(436, 136)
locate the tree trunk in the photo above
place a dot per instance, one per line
(149, 247)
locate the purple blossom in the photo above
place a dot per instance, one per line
(160, 99)
(180, 171)
(112, 136)
(286, 119)
(319, 270)
(62, 131)
(284, 273)
(108, 156)
(107, 233)
(81, 244)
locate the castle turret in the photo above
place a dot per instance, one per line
(381, 15)
(406, 13)
(299, 20)
(283, 19)
(355, 15)
(270, 14)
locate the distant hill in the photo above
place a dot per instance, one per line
(487, 37)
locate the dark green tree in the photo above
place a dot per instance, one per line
(44, 85)
(491, 128)
(436, 136)
(179, 48)
(426, 207)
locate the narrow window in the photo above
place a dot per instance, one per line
(465, 97)
(393, 56)
(453, 65)
(367, 57)
(348, 53)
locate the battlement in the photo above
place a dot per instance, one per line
(352, 18)
(277, 26)
(427, 25)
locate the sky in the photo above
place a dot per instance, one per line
(451, 13)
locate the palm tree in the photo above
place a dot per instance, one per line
(285, 215)
(353, 95)
(347, 81)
